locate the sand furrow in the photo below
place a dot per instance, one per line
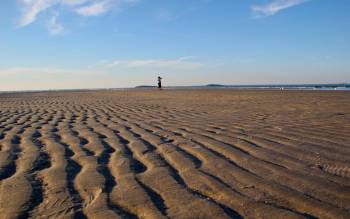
(129, 192)
(8, 155)
(172, 189)
(276, 190)
(259, 208)
(255, 150)
(15, 192)
(93, 191)
(302, 143)
(263, 171)
(56, 199)
(204, 183)
(72, 168)
(301, 182)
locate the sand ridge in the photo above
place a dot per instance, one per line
(175, 154)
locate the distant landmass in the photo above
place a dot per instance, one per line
(215, 85)
(145, 86)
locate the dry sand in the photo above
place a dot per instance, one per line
(175, 154)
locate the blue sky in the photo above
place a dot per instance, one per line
(53, 44)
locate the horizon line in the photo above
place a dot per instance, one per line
(211, 85)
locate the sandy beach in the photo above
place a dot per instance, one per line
(136, 153)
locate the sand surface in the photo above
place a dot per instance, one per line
(175, 154)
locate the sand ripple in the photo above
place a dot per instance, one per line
(175, 154)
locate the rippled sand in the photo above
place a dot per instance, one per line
(175, 154)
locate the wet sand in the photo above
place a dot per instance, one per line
(175, 154)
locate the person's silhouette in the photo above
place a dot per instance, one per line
(160, 82)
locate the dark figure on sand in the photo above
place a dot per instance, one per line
(160, 82)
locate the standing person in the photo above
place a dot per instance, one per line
(160, 82)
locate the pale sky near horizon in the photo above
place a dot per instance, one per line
(71, 44)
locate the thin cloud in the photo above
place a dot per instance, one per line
(274, 7)
(74, 2)
(21, 71)
(53, 26)
(184, 63)
(31, 9)
(95, 9)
